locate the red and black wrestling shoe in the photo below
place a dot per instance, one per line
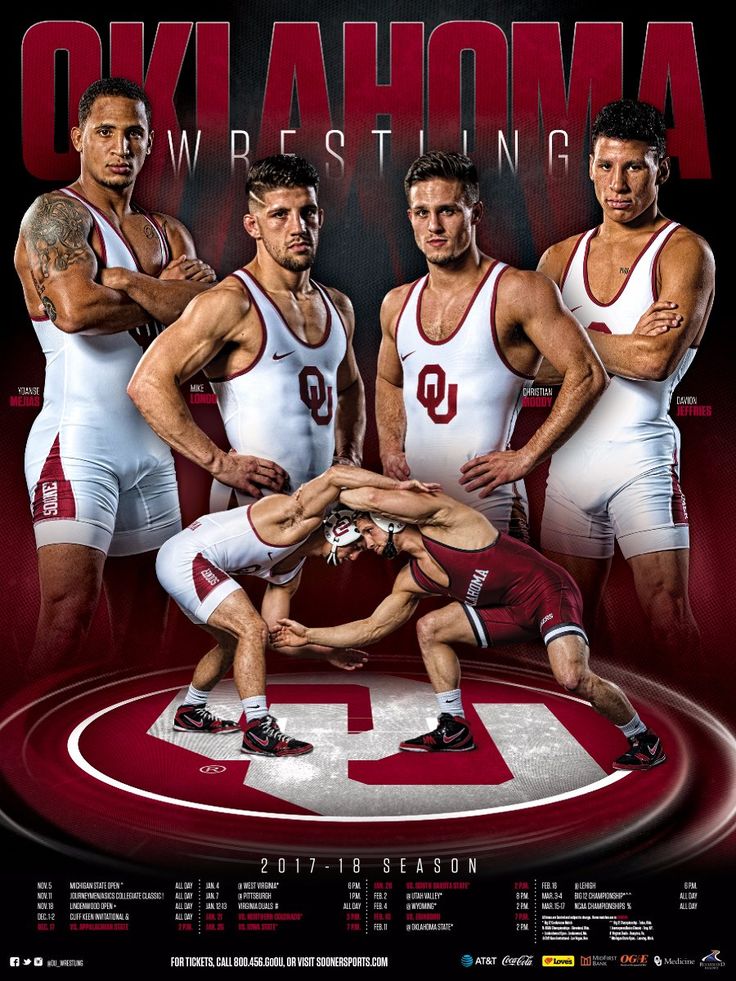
(646, 751)
(198, 718)
(452, 735)
(262, 737)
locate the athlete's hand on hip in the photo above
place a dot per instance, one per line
(289, 633)
(420, 486)
(251, 474)
(658, 319)
(395, 465)
(183, 268)
(490, 470)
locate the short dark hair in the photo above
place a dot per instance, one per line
(280, 170)
(629, 119)
(122, 87)
(448, 164)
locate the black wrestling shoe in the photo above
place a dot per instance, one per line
(198, 718)
(452, 735)
(646, 751)
(262, 737)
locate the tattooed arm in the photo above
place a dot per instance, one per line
(166, 296)
(54, 258)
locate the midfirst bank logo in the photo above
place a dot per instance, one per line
(558, 960)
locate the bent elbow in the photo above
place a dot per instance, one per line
(141, 389)
(71, 320)
(77, 317)
(591, 381)
(655, 368)
(597, 379)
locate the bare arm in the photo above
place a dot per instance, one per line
(552, 265)
(55, 250)
(275, 607)
(388, 616)
(407, 505)
(209, 322)
(166, 296)
(303, 511)
(390, 410)
(670, 326)
(350, 415)
(536, 304)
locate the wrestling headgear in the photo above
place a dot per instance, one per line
(390, 525)
(339, 528)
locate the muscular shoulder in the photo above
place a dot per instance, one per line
(521, 289)
(555, 259)
(55, 217)
(226, 304)
(393, 301)
(686, 250)
(177, 234)
(54, 235)
(344, 307)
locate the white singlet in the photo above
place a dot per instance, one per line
(193, 566)
(283, 406)
(617, 477)
(462, 398)
(97, 474)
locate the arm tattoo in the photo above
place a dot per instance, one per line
(49, 308)
(57, 234)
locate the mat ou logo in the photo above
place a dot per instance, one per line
(355, 763)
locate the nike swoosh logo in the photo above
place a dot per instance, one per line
(279, 357)
(405, 356)
(261, 742)
(197, 724)
(653, 749)
(573, 309)
(270, 556)
(453, 738)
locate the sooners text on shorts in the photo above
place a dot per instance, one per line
(194, 566)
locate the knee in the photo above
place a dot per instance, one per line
(575, 678)
(665, 599)
(67, 617)
(69, 609)
(251, 628)
(427, 631)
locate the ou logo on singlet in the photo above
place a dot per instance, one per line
(315, 394)
(432, 389)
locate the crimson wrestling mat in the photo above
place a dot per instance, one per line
(99, 762)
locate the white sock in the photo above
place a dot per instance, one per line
(255, 707)
(196, 697)
(451, 702)
(634, 727)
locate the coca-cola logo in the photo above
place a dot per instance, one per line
(523, 960)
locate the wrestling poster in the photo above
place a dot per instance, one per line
(127, 843)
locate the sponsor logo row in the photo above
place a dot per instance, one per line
(710, 961)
